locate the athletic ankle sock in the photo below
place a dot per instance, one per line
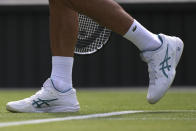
(62, 72)
(142, 38)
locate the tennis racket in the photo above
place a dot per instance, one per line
(91, 36)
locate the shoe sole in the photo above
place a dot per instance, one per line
(53, 109)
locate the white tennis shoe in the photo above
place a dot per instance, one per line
(48, 99)
(162, 66)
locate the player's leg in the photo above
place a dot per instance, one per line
(105, 12)
(161, 52)
(110, 14)
(63, 35)
(57, 93)
(63, 29)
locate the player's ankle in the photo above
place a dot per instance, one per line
(61, 85)
(142, 38)
(62, 72)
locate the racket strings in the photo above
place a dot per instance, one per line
(91, 36)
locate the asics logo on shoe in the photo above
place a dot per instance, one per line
(164, 64)
(39, 102)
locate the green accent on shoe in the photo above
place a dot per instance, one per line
(39, 103)
(164, 64)
(160, 38)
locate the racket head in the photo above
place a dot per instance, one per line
(91, 36)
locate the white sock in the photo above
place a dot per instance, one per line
(62, 73)
(142, 38)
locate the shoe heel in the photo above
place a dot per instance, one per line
(179, 49)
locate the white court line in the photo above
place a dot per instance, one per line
(152, 118)
(101, 115)
(38, 121)
(170, 111)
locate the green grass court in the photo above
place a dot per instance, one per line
(175, 112)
